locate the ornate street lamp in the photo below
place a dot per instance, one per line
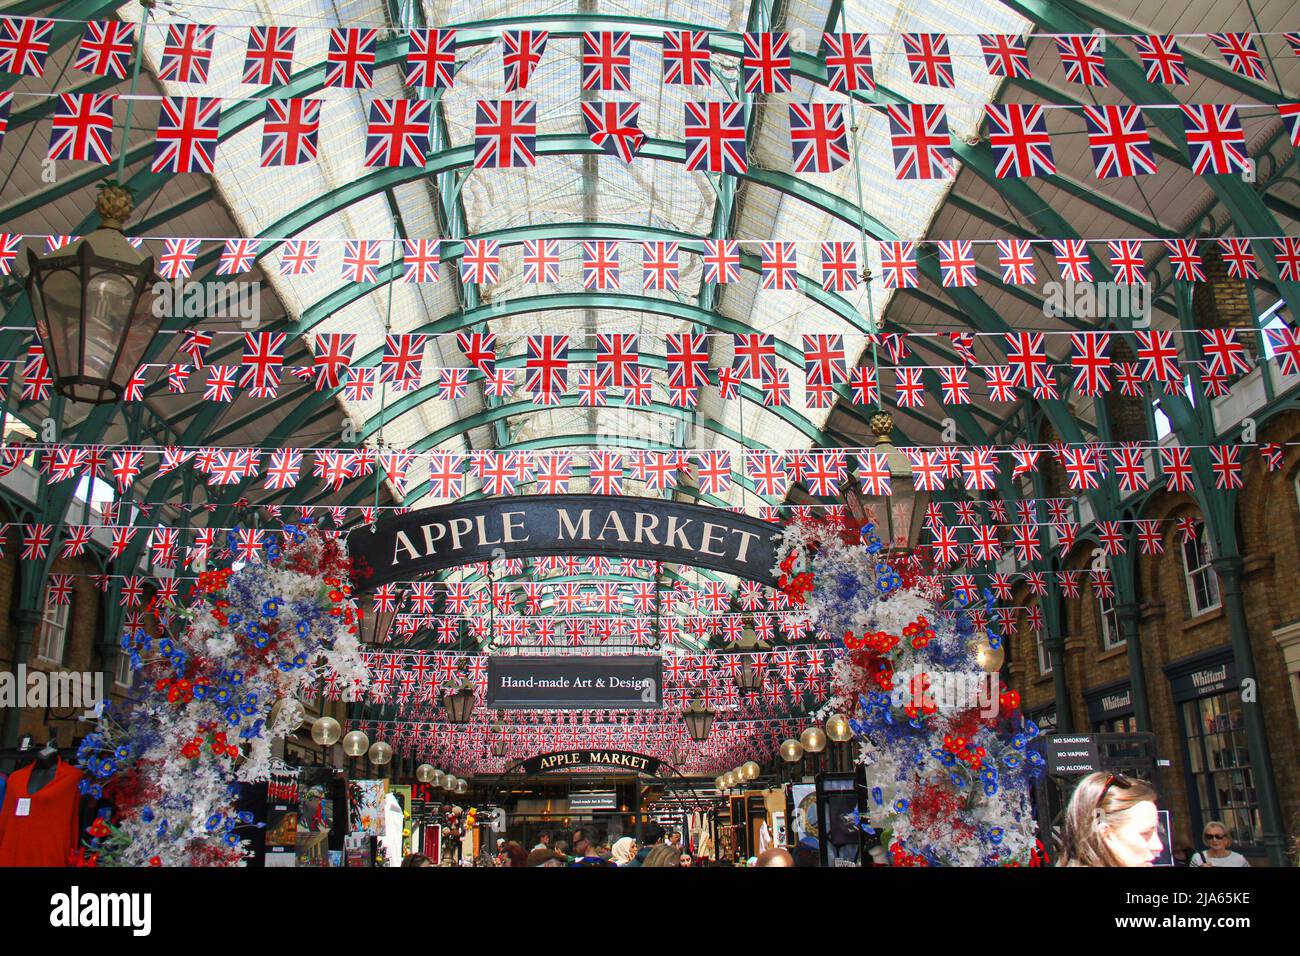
(373, 625)
(499, 743)
(92, 313)
(459, 705)
(898, 516)
(699, 718)
(750, 677)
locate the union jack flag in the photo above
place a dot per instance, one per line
(928, 59)
(1018, 137)
(714, 470)
(1185, 260)
(1157, 351)
(1162, 59)
(361, 260)
(776, 388)
(920, 141)
(290, 130)
(187, 135)
(721, 260)
(269, 59)
(715, 138)
(505, 134)
(839, 266)
(755, 355)
(1072, 259)
(421, 259)
(1285, 342)
(617, 356)
(481, 262)
(36, 376)
(283, 470)
(1290, 113)
(350, 59)
(660, 266)
(848, 62)
(1239, 257)
(453, 383)
(398, 132)
(1005, 55)
(1225, 355)
(600, 265)
(299, 257)
(221, 383)
(1126, 261)
(431, 59)
(1225, 462)
(500, 383)
(237, 255)
(331, 354)
(957, 265)
(195, 345)
(263, 356)
(1215, 140)
(82, 127)
(24, 45)
(401, 360)
(446, 475)
(1287, 258)
(9, 243)
(177, 259)
(686, 58)
(479, 349)
(1176, 463)
(547, 365)
(818, 137)
(687, 358)
(779, 266)
(187, 53)
(1027, 359)
(1119, 141)
(769, 473)
(605, 472)
(909, 387)
(954, 385)
(824, 359)
(1090, 359)
(898, 264)
(607, 61)
(554, 472)
(613, 127)
(1239, 50)
(105, 48)
(765, 64)
(1016, 259)
(1083, 58)
(521, 51)
(541, 261)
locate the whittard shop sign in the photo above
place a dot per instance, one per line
(433, 539)
(617, 682)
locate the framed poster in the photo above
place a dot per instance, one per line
(779, 835)
(839, 839)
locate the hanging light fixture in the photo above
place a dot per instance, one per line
(838, 728)
(373, 625)
(791, 751)
(898, 515)
(749, 770)
(699, 718)
(459, 705)
(750, 676)
(92, 313)
(813, 740)
(355, 743)
(424, 773)
(499, 743)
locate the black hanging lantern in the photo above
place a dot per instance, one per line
(898, 515)
(699, 719)
(93, 315)
(499, 742)
(375, 624)
(750, 677)
(460, 704)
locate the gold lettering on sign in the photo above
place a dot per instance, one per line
(745, 538)
(673, 532)
(403, 543)
(710, 532)
(569, 528)
(459, 528)
(514, 521)
(644, 518)
(481, 521)
(612, 520)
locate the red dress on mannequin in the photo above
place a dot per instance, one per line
(48, 832)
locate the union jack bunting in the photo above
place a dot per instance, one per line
(331, 355)
(1185, 260)
(921, 144)
(1176, 463)
(775, 387)
(606, 472)
(9, 244)
(500, 383)
(818, 137)
(779, 266)
(1026, 358)
(607, 61)
(1162, 59)
(481, 262)
(263, 357)
(1224, 354)
(928, 59)
(269, 58)
(769, 473)
(1158, 355)
(1005, 55)
(721, 260)
(1126, 261)
(1239, 257)
(715, 137)
(1287, 257)
(541, 261)
(1215, 140)
(957, 265)
(82, 127)
(521, 52)
(36, 376)
(660, 267)
(187, 135)
(1016, 259)
(755, 355)
(839, 266)
(1018, 137)
(237, 256)
(186, 53)
(1239, 50)
(1118, 138)
(361, 259)
(687, 357)
(1225, 462)
(431, 59)
(898, 265)
(1290, 113)
(350, 58)
(592, 387)
(617, 356)
(765, 64)
(105, 48)
(177, 259)
(1084, 59)
(1091, 361)
(505, 134)
(283, 470)
(332, 468)
(713, 468)
(195, 343)
(446, 475)
(1285, 342)
(398, 133)
(546, 367)
(686, 58)
(554, 472)
(401, 361)
(824, 359)
(954, 385)
(290, 132)
(24, 45)
(848, 62)
(613, 127)
(78, 539)
(299, 257)
(909, 389)
(600, 265)
(1072, 259)
(421, 259)
(1272, 454)
(1130, 468)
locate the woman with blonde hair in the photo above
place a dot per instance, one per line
(1111, 821)
(662, 855)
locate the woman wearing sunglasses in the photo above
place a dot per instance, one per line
(1111, 821)
(1217, 852)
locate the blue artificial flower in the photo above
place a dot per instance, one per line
(147, 814)
(901, 805)
(232, 715)
(300, 660)
(304, 628)
(995, 834)
(271, 607)
(165, 646)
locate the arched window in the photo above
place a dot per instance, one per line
(1202, 582)
(1111, 636)
(52, 633)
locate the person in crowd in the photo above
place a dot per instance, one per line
(776, 856)
(562, 848)
(502, 858)
(661, 854)
(652, 833)
(543, 856)
(1217, 850)
(584, 849)
(623, 851)
(807, 853)
(1111, 820)
(675, 841)
(543, 841)
(517, 855)
(685, 860)
(417, 859)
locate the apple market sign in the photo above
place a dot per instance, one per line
(418, 543)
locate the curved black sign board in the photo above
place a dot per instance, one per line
(433, 539)
(590, 757)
